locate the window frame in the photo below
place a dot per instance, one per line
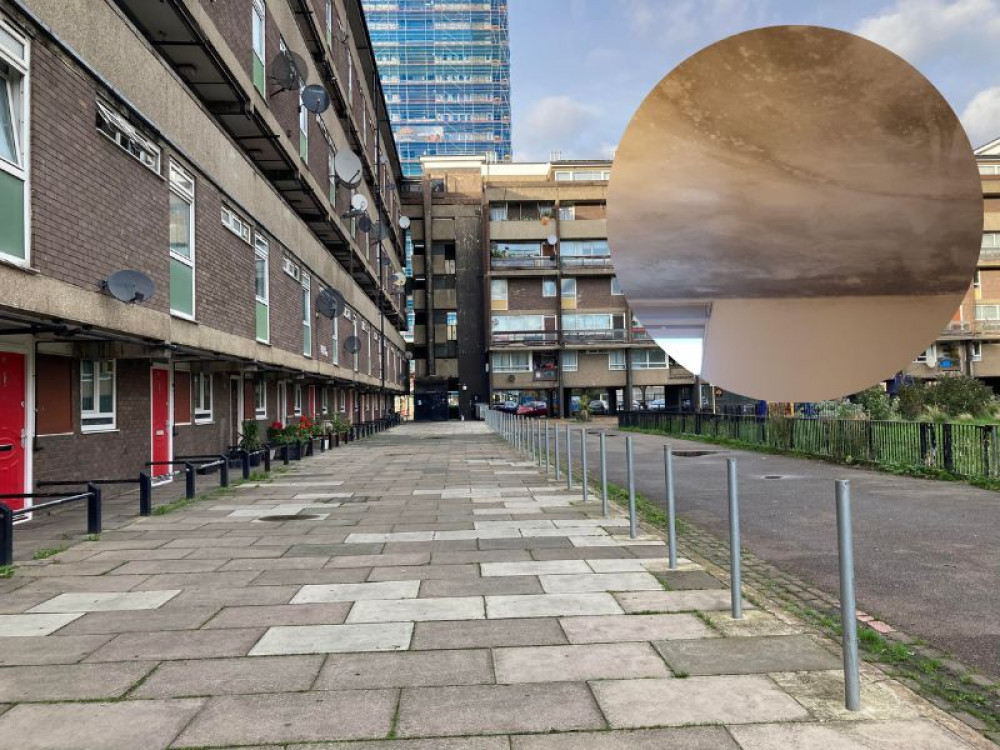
(568, 281)
(260, 398)
(976, 350)
(188, 196)
(335, 341)
(549, 288)
(297, 400)
(19, 97)
(324, 401)
(201, 385)
(96, 413)
(126, 131)
(565, 365)
(259, 12)
(509, 367)
(615, 284)
(262, 251)
(646, 365)
(236, 224)
(307, 337)
(613, 356)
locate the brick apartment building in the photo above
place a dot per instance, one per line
(970, 344)
(519, 300)
(151, 136)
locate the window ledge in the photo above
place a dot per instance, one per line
(9, 262)
(182, 316)
(209, 420)
(95, 430)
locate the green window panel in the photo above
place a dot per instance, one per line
(307, 340)
(12, 216)
(181, 288)
(263, 324)
(258, 75)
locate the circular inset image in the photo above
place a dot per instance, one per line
(794, 213)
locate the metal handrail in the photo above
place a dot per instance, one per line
(7, 515)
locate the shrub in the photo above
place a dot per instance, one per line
(960, 394)
(911, 400)
(275, 433)
(250, 436)
(877, 403)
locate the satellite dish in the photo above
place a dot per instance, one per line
(287, 70)
(347, 167)
(365, 223)
(315, 98)
(352, 345)
(409, 356)
(129, 286)
(331, 303)
(404, 222)
(399, 279)
(359, 202)
(552, 240)
(384, 259)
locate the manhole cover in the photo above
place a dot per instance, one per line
(695, 454)
(291, 517)
(773, 476)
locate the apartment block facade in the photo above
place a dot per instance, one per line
(517, 300)
(152, 137)
(970, 344)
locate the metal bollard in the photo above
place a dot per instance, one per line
(848, 608)
(224, 471)
(94, 509)
(558, 474)
(267, 460)
(604, 475)
(284, 454)
(145, 494)
(633, 530)
(668, 472)
(583, 464)
(547, 451)
(569, 459)
(245, 464)
(736, 584)
(188, 481)
(538, 440)
(6, 535)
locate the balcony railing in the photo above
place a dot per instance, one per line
(641, 334)
(594, 336)
(525, 337)
(550, 374)
(522, 262)
(989, 255)
(586, 261)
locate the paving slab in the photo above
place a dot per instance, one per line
(423, 572)
(438, 743)
(126, 725)
(311, 576)
(754, 623)
(617, 628)
(178, 644)
(411, 610)
(332, 613)
(70, 682)
(695, 700)
(246, 595)
(551, 605)
(354, 592)
(876, 735)
(688, 738)
(584, 582)
(256, 674)
(534, 568)
(754, 655)
(823, 694)
(291, 717)
(55, 649)
(488, 633)
(676, 601)
(609, 661)
(371, 561)
(481, 586)
(488, 709)
(688, 580)
(406, 669)
(106, 602)
(13, 626)
(330, 639)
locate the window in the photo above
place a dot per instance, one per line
(335, 341)
(928, 354)
(567, 213)
(649, 359)
(588, 322)
(181, 242)
(509, 362)
(235, 224)
(128, 138)
(976, 350)
(357, 342)
(584, 248)
(303, 127)
(451, 320)
(569, 289)
(988, 312)
(548, 288)
(259, 26)
(991, 246)
(498, 294)
(14, 183)
(616, 288)
(201, 385)
(306, 317)
(570, 360)
(297, 406)
(329, 22)
(616, 359)
(989, 169)
(977, 280)
(498, 212)
(324, 400)
(260, 399)
(262, 288)
(331, 155)
(97, 395)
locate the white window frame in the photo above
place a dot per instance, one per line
(497, 284)
(335, 341)
(568, 282)
(498, 212)
(201, 386)
(235, 223)
(356, 354)
(567, 213)
(645, 364)
(260, 399)
(117, 129)
(179, 177)
(569, 360)
(303, 121)
(993, 308)
(259, 10)
(99, 421)
(324, 400)
(19, 95)
(613, 360)
(550, 288)
(511, 362)
(328, 13)
(297, 402)
(307, 342)
(262, 251)
(616, 287)
(976, 351)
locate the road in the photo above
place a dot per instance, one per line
(927, 552)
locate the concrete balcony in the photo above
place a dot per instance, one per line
(582, 263)
(598, 336)
(525, 338)
(583, 229)
(522, 230)
(524, 263)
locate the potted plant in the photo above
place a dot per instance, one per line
(341, 425)
(275, 433)
(250, 440)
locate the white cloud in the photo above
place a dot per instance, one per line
(701, 21)
(981, 117)
(554, 123)
(917, 29)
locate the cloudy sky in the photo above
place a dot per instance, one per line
(581, 67)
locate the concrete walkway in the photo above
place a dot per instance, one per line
(424, 589)
(927, 551)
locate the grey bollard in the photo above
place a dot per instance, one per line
(604, 475)
(848, 607)
(583, 464)
(668, 472)
(538, 440)
(558, 474)
(569, 459)
(633, 530)
(547, 450)
(736, 583)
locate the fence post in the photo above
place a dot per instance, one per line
(583, 464)
(145, 494)
(630, 474)
(93, 509)
(245, 463)
(569, 459)
(558, 474)
(284, 453)
(848, 613)
(736, 583)
(6, 535)
(224, 471)
(996, 450)
(668, 470)
(188, 480)
(604, 474)
(949, 458)
(547, 450)
(267, 460)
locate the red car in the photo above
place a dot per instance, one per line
(533, 409)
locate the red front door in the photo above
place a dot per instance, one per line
(160, 394)
(12, 426)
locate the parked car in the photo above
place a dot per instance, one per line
(507, 406)
(598, 406)
(533, 409)
(657, 404)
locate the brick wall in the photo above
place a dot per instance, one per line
(525, 294)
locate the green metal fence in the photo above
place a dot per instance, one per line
(967, 450)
